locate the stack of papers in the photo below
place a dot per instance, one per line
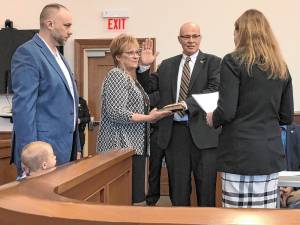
(289, 173)
(208, 102)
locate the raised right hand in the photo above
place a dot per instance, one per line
(147, 56)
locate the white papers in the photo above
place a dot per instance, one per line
(289, 179)
(289, 173)
(208, 102)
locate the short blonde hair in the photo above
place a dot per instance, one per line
(35, 154)
(120, 43)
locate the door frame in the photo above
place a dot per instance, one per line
(81, 46)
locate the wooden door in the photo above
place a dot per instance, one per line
(98, 67)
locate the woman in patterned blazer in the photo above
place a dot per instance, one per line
(125, 112)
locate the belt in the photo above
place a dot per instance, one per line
(186, 123)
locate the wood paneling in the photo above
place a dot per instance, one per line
(101, 187)
(7, 171)
(297, 117)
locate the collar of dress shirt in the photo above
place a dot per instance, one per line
(193, 57)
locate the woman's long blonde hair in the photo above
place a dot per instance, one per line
(256, 44)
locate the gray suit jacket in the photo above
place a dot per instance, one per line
(204, 79)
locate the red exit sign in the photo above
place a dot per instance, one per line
(116, 23)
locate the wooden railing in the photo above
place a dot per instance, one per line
(82, 193)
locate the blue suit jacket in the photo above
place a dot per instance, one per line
(42, 103)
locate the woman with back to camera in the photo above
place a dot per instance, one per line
(125, 112)
(255, 98)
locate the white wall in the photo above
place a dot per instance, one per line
(5, 108)
(162, 18)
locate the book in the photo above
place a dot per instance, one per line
(174, 107)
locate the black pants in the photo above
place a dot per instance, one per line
(182, 158)
(155, 161)
(74, 147)
(138, 178)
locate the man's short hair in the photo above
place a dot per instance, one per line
(48, 10)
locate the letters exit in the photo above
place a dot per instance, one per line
(116, 23)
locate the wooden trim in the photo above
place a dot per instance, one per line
(297, 117)
(5, 144)
(5, 151)
(7, 171)
(80, 46)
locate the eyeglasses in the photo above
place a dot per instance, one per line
(133, 53)
(188, 37)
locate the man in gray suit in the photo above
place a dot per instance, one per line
(189, 143)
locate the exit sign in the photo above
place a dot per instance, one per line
(116, 19)
(116, 23)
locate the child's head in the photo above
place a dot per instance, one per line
(37, 156)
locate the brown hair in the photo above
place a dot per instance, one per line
(120, 43)
(256, 44)
(48, 10)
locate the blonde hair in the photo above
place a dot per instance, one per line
(256, 44)
(35, 154)
(120, 43)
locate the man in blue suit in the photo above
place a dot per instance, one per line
(45, 97)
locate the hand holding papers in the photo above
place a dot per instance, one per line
(208, 102)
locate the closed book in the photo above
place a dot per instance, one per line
(174, 107)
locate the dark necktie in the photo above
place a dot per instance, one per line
(185, 81)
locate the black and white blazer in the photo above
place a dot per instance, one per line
(120, 99)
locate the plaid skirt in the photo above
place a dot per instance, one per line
(241, 191)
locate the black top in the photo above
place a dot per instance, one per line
(250, 110)
(83, 114)
(146, 112)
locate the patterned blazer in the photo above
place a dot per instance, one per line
(120, 99)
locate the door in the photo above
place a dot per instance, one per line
(98, 67)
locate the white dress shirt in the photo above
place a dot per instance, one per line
(191, 64)
(66, 73)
